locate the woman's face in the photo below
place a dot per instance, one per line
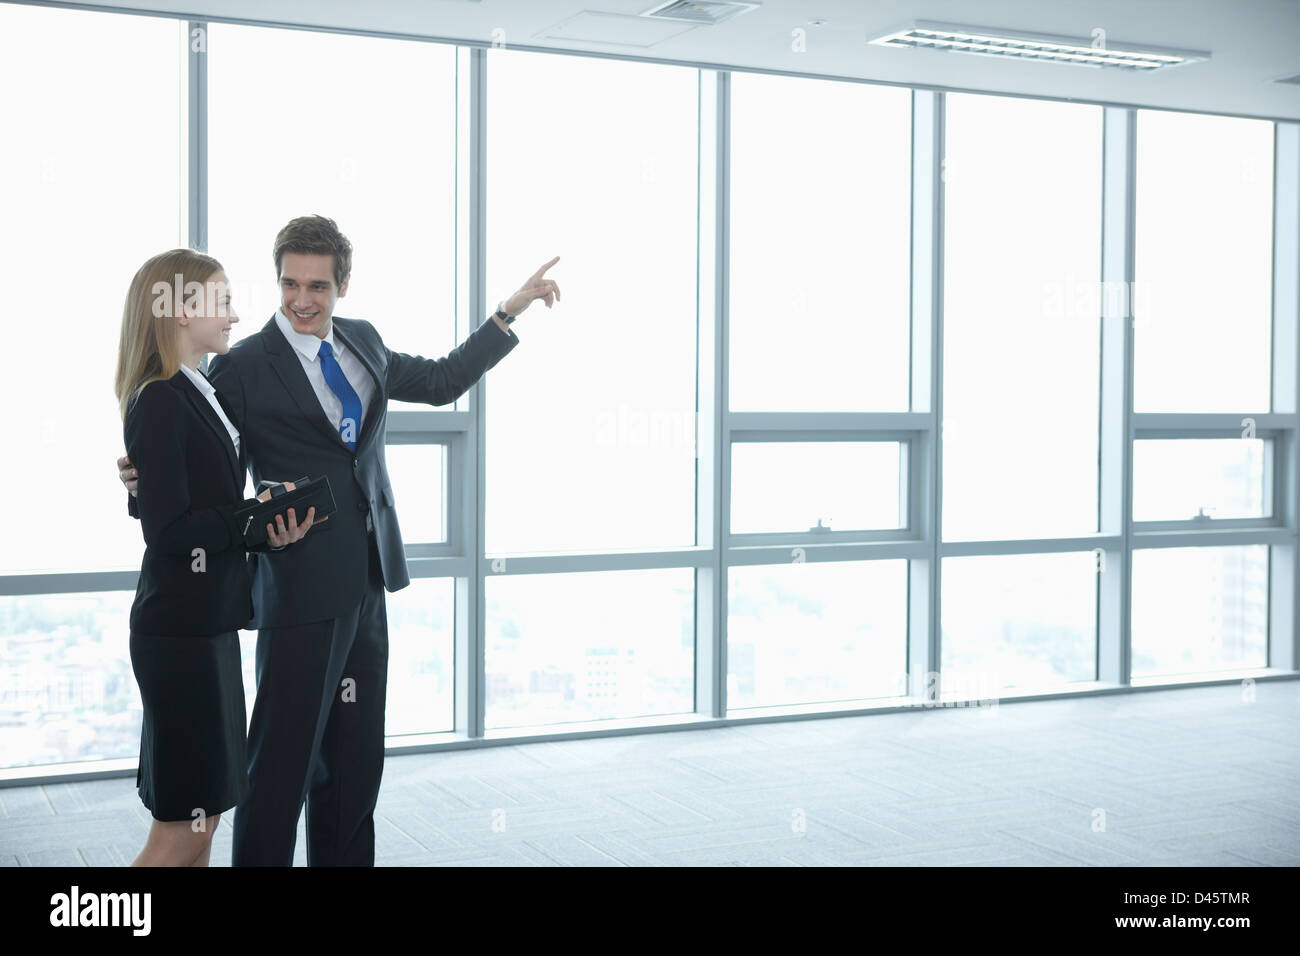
(209, 316)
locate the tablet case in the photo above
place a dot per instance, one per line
(253, 519)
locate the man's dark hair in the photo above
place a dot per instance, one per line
(315, 235)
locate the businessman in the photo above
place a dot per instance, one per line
(309, 394)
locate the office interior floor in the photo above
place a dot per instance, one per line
(1200, 776)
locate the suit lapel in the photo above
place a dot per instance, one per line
(210, 418)
(242, 464)
(352, 341)
(288, 367)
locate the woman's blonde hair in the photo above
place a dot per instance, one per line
(149, 349)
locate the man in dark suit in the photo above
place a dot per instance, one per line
(309, 393)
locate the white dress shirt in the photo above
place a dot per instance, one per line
(307, 347)
(210, 393)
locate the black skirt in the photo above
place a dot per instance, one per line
(193, 737)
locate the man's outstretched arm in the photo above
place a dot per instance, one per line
(412, 378)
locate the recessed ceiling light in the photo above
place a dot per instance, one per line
(1039, 47)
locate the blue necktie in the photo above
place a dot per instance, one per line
(339, 385)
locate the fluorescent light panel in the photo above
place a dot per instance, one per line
(1040, 47)
(701, 11)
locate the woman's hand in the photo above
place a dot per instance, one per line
(282, 536)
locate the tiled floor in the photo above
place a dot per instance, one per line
(1198, 776)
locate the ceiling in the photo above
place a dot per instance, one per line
(1252, 42)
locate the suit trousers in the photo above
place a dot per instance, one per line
(317, 736)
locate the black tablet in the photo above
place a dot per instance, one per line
(253, 519)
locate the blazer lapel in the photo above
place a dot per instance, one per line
(289, 369)
(241, 465)
(369, 362)
(218, 427)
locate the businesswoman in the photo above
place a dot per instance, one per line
(194, 591)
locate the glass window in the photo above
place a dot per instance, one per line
(589, 646)
(419, 491)
(1020, 622)
(374, 150)
(67, 690)
(1022, 241)
(421, 649)
(591, 420)
(1199, 610)
(1203, 263)
(1181, 478)
(803, 633)
(90, 187)
(798, 486)
(820, 245)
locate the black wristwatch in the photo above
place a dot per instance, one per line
(507, 319)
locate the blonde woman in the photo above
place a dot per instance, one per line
(194, 591)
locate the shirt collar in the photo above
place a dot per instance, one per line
(199, 380)
(308, 345)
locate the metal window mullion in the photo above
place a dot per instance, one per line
(1224, 527)
(1215, 424)
(419, 420)
(1115, 506)
(1149, 540)
(67, 582)
(813, 553)
(924, 652)
(197, 134)
(468, 455)
(842, 539)
(739, 424)
(887, 434)
(713, 488)
(1013, 546)
(1284, 559)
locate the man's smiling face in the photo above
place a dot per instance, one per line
(308, 292)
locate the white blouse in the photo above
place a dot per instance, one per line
(210, 393)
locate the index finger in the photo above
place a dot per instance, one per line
(538, 273)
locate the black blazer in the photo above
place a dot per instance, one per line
(193, 579)
(286, 434)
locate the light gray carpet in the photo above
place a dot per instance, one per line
(1182, 777)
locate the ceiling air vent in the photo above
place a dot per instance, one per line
(700, 11)
(1096, 51)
